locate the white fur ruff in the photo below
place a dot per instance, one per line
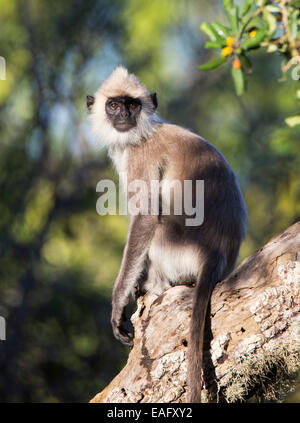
(121, 83)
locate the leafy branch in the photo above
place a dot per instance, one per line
(273, 25)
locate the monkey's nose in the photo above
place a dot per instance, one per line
(124, 114)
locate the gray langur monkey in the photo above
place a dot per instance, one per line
(161, 250)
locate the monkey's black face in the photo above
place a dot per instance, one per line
(123, 112)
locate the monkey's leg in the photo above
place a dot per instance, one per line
(155, 282)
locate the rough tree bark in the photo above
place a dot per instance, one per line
(252, 334)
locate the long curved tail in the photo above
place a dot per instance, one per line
(211, 273)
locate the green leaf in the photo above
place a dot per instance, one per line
(254, 23)
(239, 80)
(293, 24)
(293, 121)
(212, 64)
(246, 63)
(253, 42)
(232, 15)
(212, 44)
(272, 8)
(227, 3)
(212, 34)
(247, 6)
(222, 30)
(271, 48)
(247, 16)
(271, 21)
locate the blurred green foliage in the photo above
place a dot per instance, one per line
(58, 258)
(273, 25)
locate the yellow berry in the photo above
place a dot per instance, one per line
(229, 41)
(226, 51)
(252, 33)
(236, 64)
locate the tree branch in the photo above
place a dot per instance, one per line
(252, 334)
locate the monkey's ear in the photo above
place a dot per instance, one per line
(90, 100)
(154, 100)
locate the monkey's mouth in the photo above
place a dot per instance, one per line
(122, 127)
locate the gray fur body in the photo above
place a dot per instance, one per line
(163, 247)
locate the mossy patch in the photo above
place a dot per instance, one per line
(267, 376)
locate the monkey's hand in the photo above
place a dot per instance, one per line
(117, 321)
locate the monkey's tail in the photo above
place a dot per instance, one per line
(211, 273)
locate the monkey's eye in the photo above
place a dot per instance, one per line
(114, 106)
(132, 106)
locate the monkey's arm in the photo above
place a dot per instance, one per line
(139, 236)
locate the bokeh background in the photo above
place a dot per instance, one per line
(58, 257)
